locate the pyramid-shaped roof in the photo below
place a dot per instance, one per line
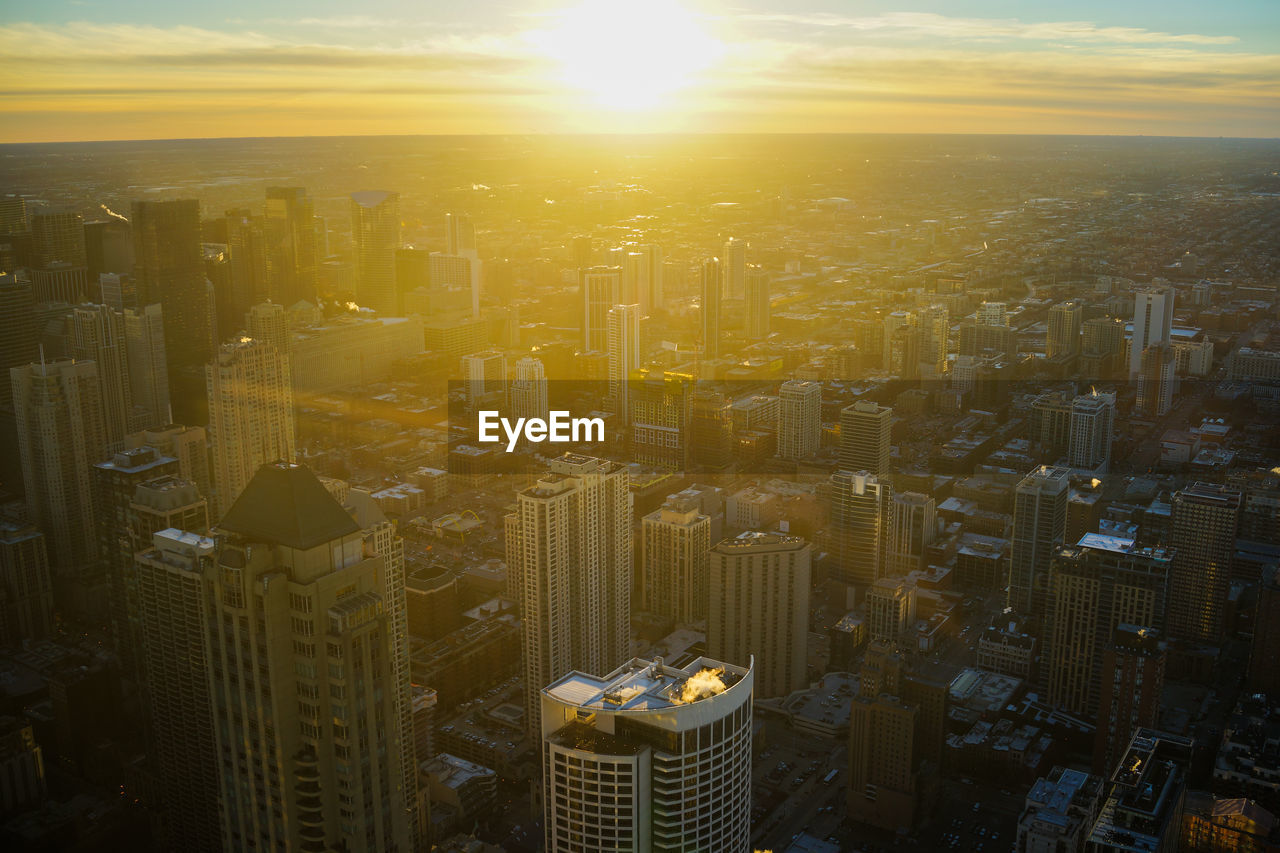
(285, 504)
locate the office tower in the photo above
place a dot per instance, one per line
(569, 560)
(760, 608)
(709, 330)
(1063, 338)
(250, 416)
(893, 323)
(529, 389)
(757, 307)
(648, 758)
(1103, 336)
(884, 785)
(635, 279)
(26, 590)
(413, 271)
(674, 564)
(1093, 588)
(217, 271)
(19, 331)
(375, 236)
(734, 269)
(13, 215)
(864, 438)
(1155, 381)
(59, 263)
(1152, 323)
(460, 234)
(1060, 811)
(484, 378)
(117, 290)
(1039, 526)
(1202, 537)
(1143, 808)
(624, 355)
(163, 502)
(292, 255)
(58, 411)
(710, 432)
(992, 314)
(891, 609)
(96, 333)
(1264, 675)
(450, 273)
(989, 335)
(247, 250)
(912, 524)
(1092, 421)
(859, 506)
(600, 288)
(301, 673)
(661, 410)
(169, 271)
(108, 248)
(651, 296)
(115, 482)
(934, 323)
(1132, 679)
(268, 322)
(189, 445)
(799, 423)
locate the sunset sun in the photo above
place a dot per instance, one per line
(628, 56)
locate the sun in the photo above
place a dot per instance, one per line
(628, 54)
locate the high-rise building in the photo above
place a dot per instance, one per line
(569, 560)
(1156, 380)
(59, 263)
(799, 418)
(1063, 338)
(247, 251)
(757, 305)
(529, 389)
(1103, 336)
(884, 784)
(19, 332)
(674, 573)
(600, 288)
(96, 333)
(291, 252)
(108, 248)
(484, 378)
(635, 279)
(1039, 526)
(189, 445)
(648, 758)
(163, 502)
(301, 673)
(375, 235)
(734, 269)
(1092, 422)
(1264, 675)
(58, 412)
(268, 322)
(148, 367)
(1202, 537)
(709, 330)
(891, 609)
(460, 234)
(1094, 587)
(26, 607)
(661, 409)
(760, 609)
(912, 525)
(1132, 680)
(1152, 323)
(859, 510)
(1143, 808)
(251, 418)
(624, 355)
(710, 432)
(1059, 812)
(651, 295)
(169, 270)
(865, 437)
(934, 323)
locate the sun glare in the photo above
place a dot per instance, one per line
(628, 54)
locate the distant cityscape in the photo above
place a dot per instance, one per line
(937, 504)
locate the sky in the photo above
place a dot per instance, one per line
(143, 69)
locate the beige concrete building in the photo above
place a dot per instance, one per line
(676, 543)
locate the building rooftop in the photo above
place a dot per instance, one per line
(286, 504)
(642, 685)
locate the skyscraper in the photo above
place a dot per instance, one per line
(600, 288)
(799, 418)
(1152, 323)
(935, 325)
(484, 378)
(58, 411)
(148, 367)
(624, 355)
(859, 510)
(760, 610)
(250, 416)
(1039, 526)
(864, 437)
(59, 263)
(460, 240)
(375, 233)
(912, 524)
(26, 609)
(247, 247)
(1202, 535)
(651, 297)
(635, 279)
(301, 674)
(1063, 338)
(569, 557)
(267, 322)
(189, 445)
(529, 389)
(757, 307)
(710, 432)
(1156, 380)
(734, 269)
(291, 253)
(710, 329)
(1092, 422)
(1093, 588)
(648, 758)
(891, 609)
(883, 758)
(1264, 675)
(1132, 680)
(674, 573)
(169, 271)
(661, 410)
(96, 333)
